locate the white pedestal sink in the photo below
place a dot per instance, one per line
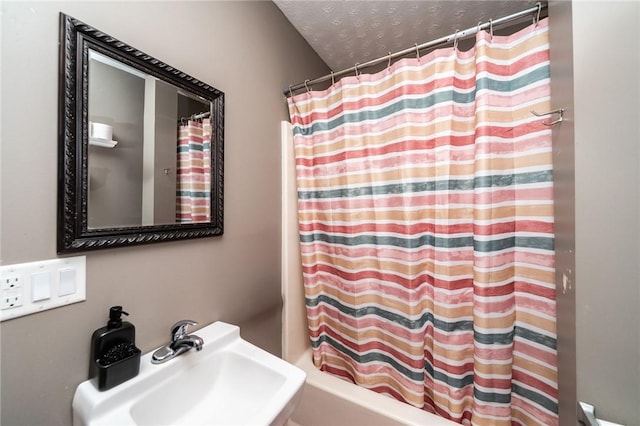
(228, 382)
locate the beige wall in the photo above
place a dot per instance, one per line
(561, 48)
(606, 60)
(594, 76)
(246, 49)
(115, 174)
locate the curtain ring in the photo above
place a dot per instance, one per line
(290, 91)
(355, 67)
(333, 80)
(417, 51)
(389, 64)
(479, 25)
(305, 85)
(455, 40)
(491, 28)
(537, 18)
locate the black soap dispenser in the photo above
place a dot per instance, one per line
(114, 355)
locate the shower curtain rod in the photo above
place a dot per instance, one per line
(458, 35)
(196, 116)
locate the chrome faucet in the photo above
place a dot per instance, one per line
(180, 342)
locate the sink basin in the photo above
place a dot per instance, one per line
(229, 382)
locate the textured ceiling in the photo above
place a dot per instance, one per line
(344, 33)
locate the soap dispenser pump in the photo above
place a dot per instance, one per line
(114, 355)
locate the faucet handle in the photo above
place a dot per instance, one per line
(179, 329)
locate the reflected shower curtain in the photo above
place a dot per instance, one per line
(426, 230)
(193, 186)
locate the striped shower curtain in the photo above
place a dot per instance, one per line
(426, 230)
(193, 186)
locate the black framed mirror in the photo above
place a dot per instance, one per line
(140, 146)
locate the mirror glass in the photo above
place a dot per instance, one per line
(148, 145)
(140, 146)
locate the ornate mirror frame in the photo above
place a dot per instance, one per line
(74, 235)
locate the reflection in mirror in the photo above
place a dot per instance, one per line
(149, 149)
(116, 114)
(140, 146)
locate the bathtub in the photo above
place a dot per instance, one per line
(326, 399)
(330, 401)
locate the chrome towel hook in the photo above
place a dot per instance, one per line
(559, 111)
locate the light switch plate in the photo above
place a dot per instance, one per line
(42, 285)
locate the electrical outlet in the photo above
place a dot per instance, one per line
(32, 287)
(11, 299)
(11, 281)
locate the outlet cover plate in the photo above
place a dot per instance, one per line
(18, 280)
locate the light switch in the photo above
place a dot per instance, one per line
(40, 286)
(67, 282)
